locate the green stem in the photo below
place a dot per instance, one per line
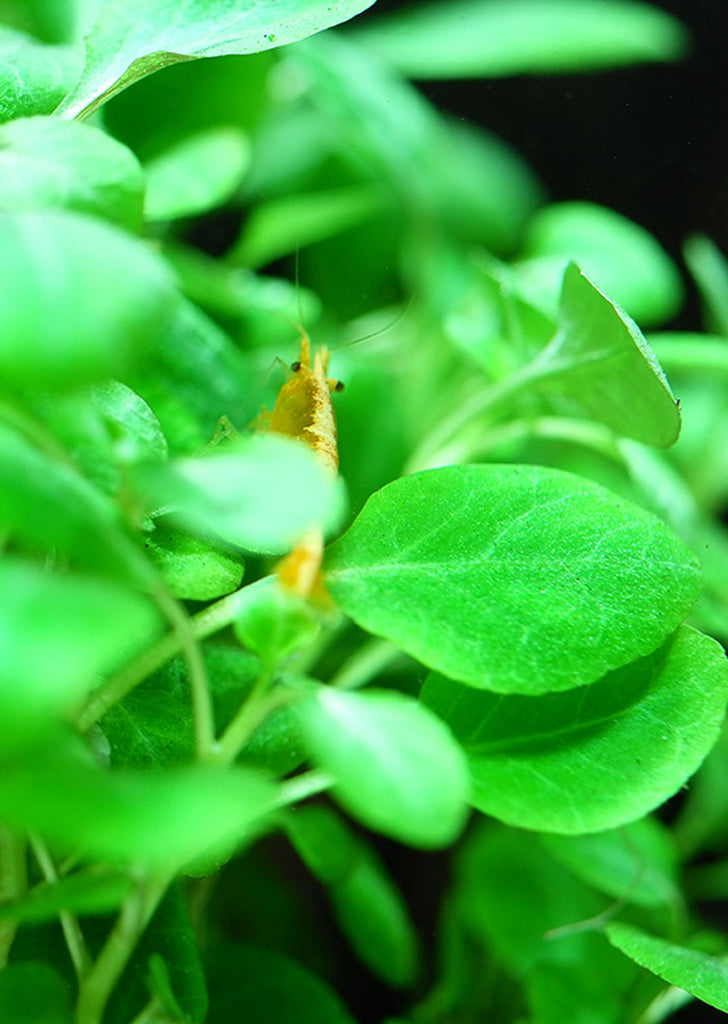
(69, 922)
(300, 787)
(365, 663)
(13, 883)
(253, 712)
(101, 979)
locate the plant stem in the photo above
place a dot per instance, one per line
(300, 787)
(365, 663)
(13, 883)
(99, 982)
(69, 922)
(254, 710)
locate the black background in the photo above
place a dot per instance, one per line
(648, 141)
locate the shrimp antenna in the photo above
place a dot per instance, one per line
(381, 330)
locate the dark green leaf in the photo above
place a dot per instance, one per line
(396, 766)
(31, 993)
(519, 579)
(597, 756)
(47, 162)
(33, 77)
(150, 728)
(479, 38)
(704, 976)
(132, 38)
(625, 260)
(80, 298)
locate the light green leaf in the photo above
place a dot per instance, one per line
(94, 891)
(132, 38)
(627, 262)
(709, 268)
(194, 569)
(597, 756)
(57, 633)
(273, 622)
(520, 579)
(196, 174)
(396, 766)
(262, 492)
(704, 976)
(33, 77)
(80, 299)
(47, 162)
(600, 360)
(32, 992)
(489, 38)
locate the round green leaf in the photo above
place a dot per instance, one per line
(519, 579)
(194, 569)
(624, 259)
(273, 622)
(47, 162)
(396, 766)
(79, 298)
(598, 756)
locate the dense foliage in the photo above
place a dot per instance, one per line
(209, 783)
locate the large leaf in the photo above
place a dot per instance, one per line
(396, 767)
(33, 77)
(600, 360)
(47, 162)
(598, 756)
(519, 579)
(478, 38)
(132, 38)
(704, 976)
(79, 301)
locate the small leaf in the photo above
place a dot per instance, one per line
(704, 976)
(33, 77)
(601, 361)
(31, 992)
(597, 756)
(396, 766)
(196, 175)
(80, 299)
(627, 262)
(194, 569)
(132, 38)
(519, 579)
(274, 622)
(46, 162)
(709, 268)
(479, 38)
(95, 891)
(262, 492)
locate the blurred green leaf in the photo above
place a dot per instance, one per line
(272, 622)
(150, 728)
(625, 260)
(194, 569)
(709, 268)
(704, 976)
(33, 77)
(34, 992)
(57, 633)
(396, 767)
(600, 360)
(46, 162)
(262, 492)
(80, 301)
(594, 757)
(520, 579)
(490, 38)
(195, 175)
(91, 891)
(129, 40)
(276, 988)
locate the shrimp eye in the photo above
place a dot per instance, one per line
(338, 385)
(296, 366)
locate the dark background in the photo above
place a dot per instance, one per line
(649, 141)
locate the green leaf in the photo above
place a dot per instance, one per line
(194, 569)
(80, 299)
(704, 976)
(34, 992)
(57, 633)
(520, 579)
(627, 262)
(132, 39)
(262, 492)
(197, 174)
(273, 622)
(597, 756)
(367, 904)
(489, 38)
(276, 989)
(33, 77)
(150, 728)
(396, 766)
(46, 162)
(159, 819)
(708, 266)
(93, 891)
